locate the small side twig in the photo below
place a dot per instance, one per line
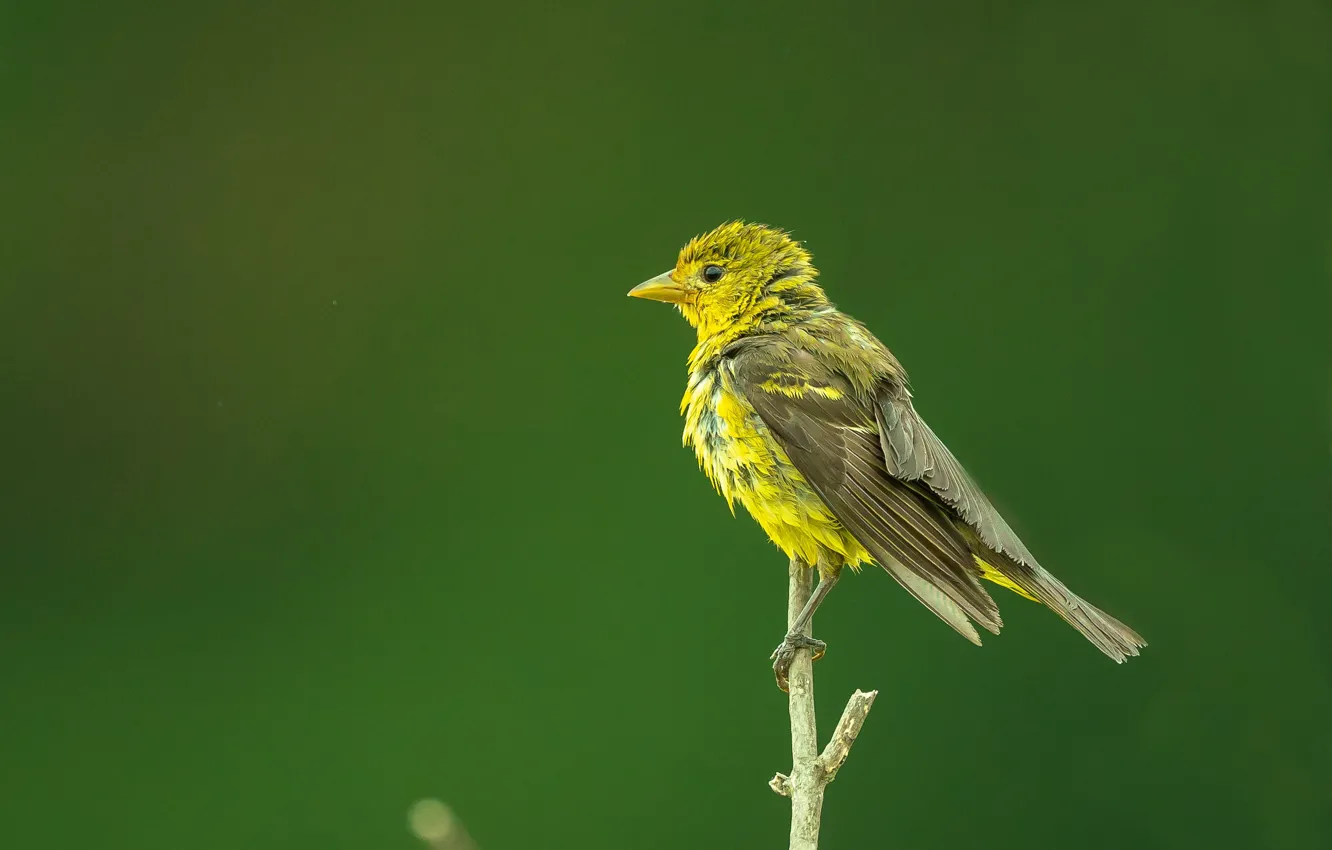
(811, 770)
(839, 746)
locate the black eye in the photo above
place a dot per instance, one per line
(712, 274)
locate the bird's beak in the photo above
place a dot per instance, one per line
(661, 288)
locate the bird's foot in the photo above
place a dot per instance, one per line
(785, 652)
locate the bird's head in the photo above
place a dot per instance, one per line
(736, 276)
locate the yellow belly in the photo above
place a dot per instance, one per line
(745, 464)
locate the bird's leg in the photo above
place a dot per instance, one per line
(796, 637)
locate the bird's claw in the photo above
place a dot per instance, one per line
(785, 652)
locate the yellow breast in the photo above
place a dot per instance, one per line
(745, 464)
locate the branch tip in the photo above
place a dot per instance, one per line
(848, 728)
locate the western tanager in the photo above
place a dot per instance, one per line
(799, 413)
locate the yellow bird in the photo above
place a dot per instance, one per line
(799, 413)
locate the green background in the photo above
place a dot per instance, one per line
(339, 472)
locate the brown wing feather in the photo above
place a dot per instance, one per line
(831, 435)
(913, 453)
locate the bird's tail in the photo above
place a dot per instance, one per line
(1108, 634)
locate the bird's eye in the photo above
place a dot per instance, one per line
(712, 274)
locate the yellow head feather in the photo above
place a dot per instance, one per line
(739, 274)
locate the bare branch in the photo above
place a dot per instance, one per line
(811, 772)
(806, 787)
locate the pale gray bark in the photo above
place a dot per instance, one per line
(811, 770)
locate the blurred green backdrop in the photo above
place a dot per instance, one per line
(339, 472)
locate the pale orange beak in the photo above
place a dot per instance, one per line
(661, 288)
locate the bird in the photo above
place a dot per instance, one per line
(798, 412)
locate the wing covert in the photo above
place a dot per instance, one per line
(831, 433)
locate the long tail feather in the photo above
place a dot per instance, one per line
(1109, 635)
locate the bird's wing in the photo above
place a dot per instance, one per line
(914, 453)
(831, 434)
